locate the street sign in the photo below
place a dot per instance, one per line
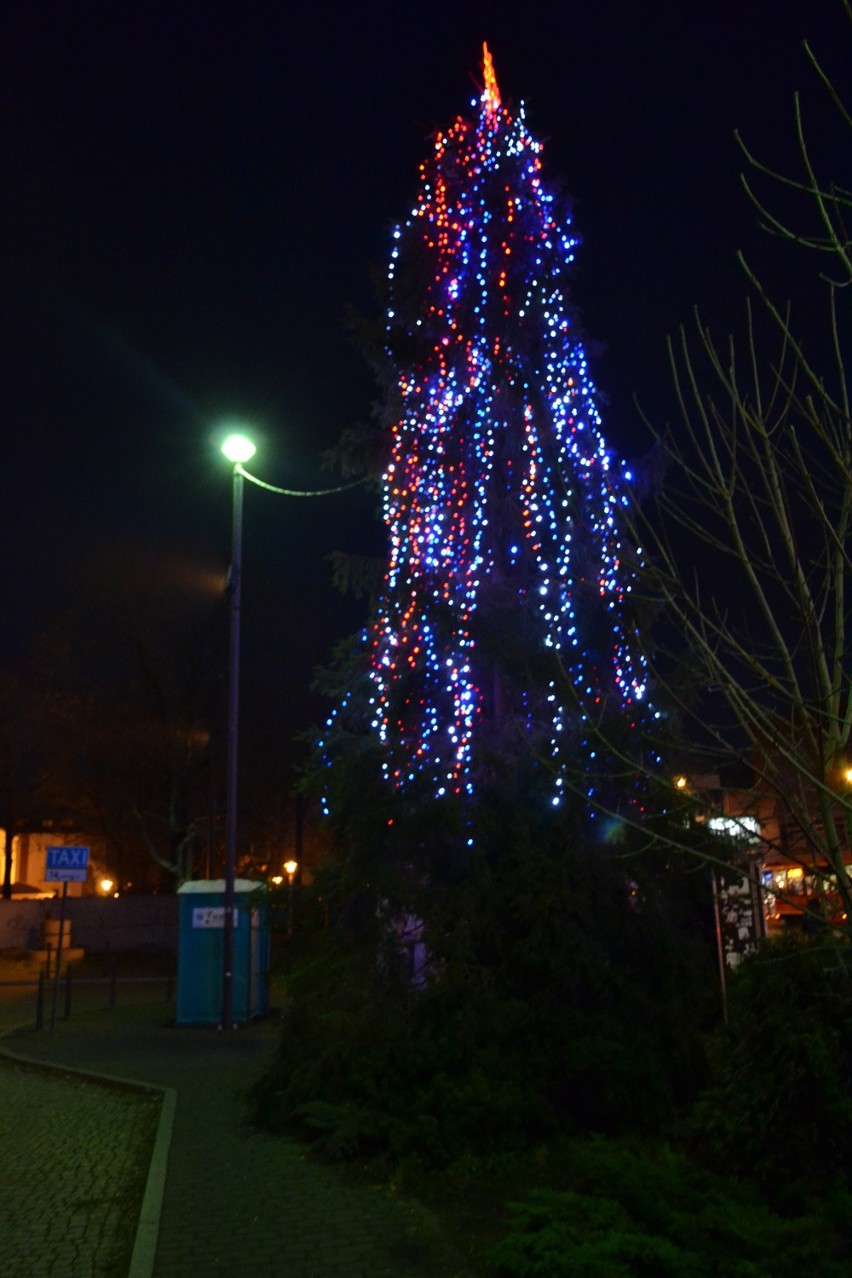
(67, 865)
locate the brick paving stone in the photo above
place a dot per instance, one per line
(239, 1202)
(74, 1157)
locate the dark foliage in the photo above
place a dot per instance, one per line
(561, 990)
(779, 1111)
(648, 1211)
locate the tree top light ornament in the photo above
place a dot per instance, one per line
(502, 620)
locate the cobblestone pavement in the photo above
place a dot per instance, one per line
(238, 1201)
(74, 1158)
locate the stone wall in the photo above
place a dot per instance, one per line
(98, 924)
(20, 924)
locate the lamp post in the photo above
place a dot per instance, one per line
(237, 449)
(290, 867)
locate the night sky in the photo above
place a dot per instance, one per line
(194, 195)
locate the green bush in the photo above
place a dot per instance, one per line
(779, 1110)
(654, 1212)
(569, 1235)
(551, 1003)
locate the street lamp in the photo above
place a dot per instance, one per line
(290, 868)
(238, 449)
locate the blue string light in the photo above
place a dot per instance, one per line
(499, 474)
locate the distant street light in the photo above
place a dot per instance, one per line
(238, 449)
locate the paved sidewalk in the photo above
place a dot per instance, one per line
(74, 1160)
(237, 1201)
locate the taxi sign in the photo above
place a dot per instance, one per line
(66, 864)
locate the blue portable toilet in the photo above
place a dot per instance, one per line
(201, 957)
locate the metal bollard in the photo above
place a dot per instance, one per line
(39, 1019)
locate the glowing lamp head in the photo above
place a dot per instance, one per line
(238, 448)
(680, 783)
(291, 867)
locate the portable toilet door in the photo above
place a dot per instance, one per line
(251, 963)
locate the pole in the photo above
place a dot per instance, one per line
(250, 931)
(58, 956)
(39, 1022)
(234, 589)
(290, 906)
(720, 948)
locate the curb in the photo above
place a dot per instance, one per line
(148, 1227)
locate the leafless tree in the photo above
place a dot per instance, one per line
(746, 541)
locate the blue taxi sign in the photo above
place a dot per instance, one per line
(66, 864)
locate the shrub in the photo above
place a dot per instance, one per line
(779, 1110)
(653, 1212)
(550, 1004)
(569, 1235)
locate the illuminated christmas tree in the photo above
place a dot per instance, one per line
(502, 628)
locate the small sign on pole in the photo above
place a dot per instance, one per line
(66, 865)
